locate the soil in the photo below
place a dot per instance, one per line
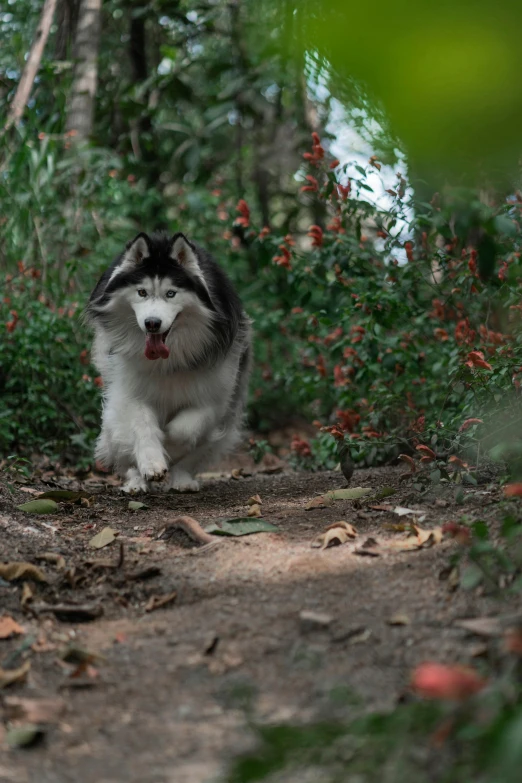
(170, 695)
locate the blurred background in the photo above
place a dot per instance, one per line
(355, 172)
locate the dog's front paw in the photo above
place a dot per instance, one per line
(180, 481)
(155, 473)
(135, 484)
(153, 469)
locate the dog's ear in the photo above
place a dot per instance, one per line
(136, 250)
(183, 252)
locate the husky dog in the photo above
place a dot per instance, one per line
(172, 344)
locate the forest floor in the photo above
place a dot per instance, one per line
(256, 630)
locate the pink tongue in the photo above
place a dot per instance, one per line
(155, 348)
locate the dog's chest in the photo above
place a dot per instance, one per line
(172, 392)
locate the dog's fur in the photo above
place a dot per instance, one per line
(183, 406)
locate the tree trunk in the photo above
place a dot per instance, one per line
(80, 113)
(33, 63)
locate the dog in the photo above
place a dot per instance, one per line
(172, 344)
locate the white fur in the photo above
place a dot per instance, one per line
(164, 416)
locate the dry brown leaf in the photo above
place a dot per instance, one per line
(10, 676)
(236, 473)
(381, 507)
(336, 534)
(319, 502)
(103, 538)
(157, 601)
(254, 510)
(19, 570)
(33, 710)
(399, 618)
(253, 500)
(54, 558)
(9, 627)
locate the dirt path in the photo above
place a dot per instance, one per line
(172, 698)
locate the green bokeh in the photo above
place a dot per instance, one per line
(447, 74)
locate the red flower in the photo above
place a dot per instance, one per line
(242, 208)
(343, 191)
(476, 359)
(264, 232)
(321, 367)
(458, 462)
(439, 681)
(469, 423)
(441, 334)
(284, 258)
(336, 225)
(513, 490)
(428, 454)
(316, 235)
(348, 419)
(334, 163)
(313, 186)
(98, 381)
(333, 336)
(409, 250)
(301, 446)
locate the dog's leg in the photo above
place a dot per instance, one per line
(187, 444)
(137, 442)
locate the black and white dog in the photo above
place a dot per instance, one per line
(172, 344)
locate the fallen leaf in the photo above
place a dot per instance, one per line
(348, 494)
(10, 676)
(318, 502)
(335, 534)
(136, 505)
(399, 618)
(44, 506)
(253, 500)
(385, 492)
(9, 627)
(61, 494)
(481, 626)
(158, 601)
(52, 557)
(149, 572)
(86, 502)
(381, 507)
(33, 710)
(77, 655)
(236, 473)
(15, 570)
(314, 621)
(29, 490)
(24, 736)
(254, 510)
(70, 613)
(240, 526)
(401, 511)
(103, 538)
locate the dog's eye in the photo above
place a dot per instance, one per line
(142, 292)
(170, 294)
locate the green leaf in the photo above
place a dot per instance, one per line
(103, 538)
(385, 492)
(44, 506)
(240, 526)
(480, 529)
(24, 736)
(61, 494)
(471, 577)
(135, 505)
(348, 494)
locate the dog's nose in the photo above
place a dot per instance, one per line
(152, 324)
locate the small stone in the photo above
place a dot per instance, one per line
(314, 621)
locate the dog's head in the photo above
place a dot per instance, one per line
(160, 279)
